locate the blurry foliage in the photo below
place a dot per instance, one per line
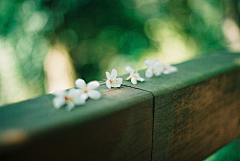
(100, 35)
(229, 152)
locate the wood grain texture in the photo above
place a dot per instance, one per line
(216, 108)
(197, 109)
(193, 122)
(112, 128)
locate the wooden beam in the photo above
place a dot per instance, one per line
(201, 118)
(197, 109)
(116, 127)
(182, 116)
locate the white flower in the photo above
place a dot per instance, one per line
(69, 98)
(154, 67)
(113, 81)
(88, 90)
(167, 68)
(134, 76)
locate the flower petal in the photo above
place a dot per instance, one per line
(74, 92)
(70, 106)
(129, 77)
(157, 62)
(84, 96)
(157, 68)
(129, 69)
(134, 80)
(108, 84)
(173, 69)
(149, 63)
(79, 101)
(108, 75)
(149, 73)
(118, 82)
(166, 72)
(77, 97)
(93, 85)
(140, 79)
(80, 83)
(157, 73)
(94, 94)
(58, 102)
(59, 93)
(114, 73)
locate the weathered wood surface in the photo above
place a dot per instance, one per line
(183, 116)
(201, 118)
(112, 128)
(197, 109)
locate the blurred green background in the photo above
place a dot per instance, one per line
(46, 44)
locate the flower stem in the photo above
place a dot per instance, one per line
(102, 83)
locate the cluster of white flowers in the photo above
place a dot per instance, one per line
(157, 68)
(78, 96)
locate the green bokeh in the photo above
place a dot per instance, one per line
(98, 33)
(230, 152)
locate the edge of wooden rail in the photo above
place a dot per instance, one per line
(90, 131)
(134, 122)
(190, 72)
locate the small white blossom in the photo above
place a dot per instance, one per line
(113, 81)
(88, 90)
(154, 67)
(134, 76)
(70, 98)
(168, 68)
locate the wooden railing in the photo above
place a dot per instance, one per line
(186, 115)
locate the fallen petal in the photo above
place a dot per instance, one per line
(108, 75)
(93, 85)
(166, 72)
(118, 82)
(129, 69)
(108, 84)
(58, 102)
(70, 106)
(149, 63)
(79, 101)
(94, 94)
(129, 77)
(174, 69)
(114, 73)
(59, 93)
(140, 79)
(149, 73)
(74, 92)
(134, 80)
(84, 96)
(80, 83)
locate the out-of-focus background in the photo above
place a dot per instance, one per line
(46, 44)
